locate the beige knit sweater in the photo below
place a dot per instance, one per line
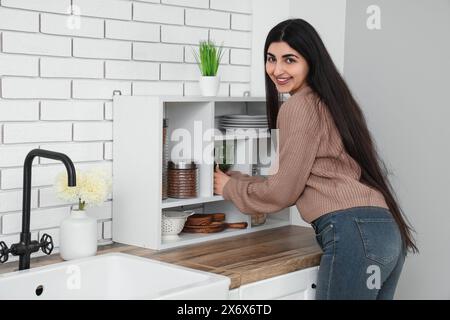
(315, 172)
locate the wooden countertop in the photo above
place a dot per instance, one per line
(244, 259)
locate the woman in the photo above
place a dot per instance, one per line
(328, 167)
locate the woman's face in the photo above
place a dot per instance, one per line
(286, 67)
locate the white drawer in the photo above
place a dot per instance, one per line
(234, 294)
(293, 285)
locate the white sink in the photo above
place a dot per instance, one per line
(113, 276)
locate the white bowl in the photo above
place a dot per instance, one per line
(173, 222)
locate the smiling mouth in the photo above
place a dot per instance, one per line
(283, 81)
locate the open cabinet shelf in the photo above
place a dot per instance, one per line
(192, 238)
(173, 202)
(138, 167)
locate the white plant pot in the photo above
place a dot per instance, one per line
(78, 236)
(209, 85)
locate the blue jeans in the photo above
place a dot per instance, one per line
(363, 254)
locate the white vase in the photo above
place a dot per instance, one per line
(78, 236)
(209, 85)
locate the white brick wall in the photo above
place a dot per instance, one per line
(101, 49)
(102, 212)
(125, 30)
(48, 198)
(19, 110)
(158, 87)
(239, 56)
(99, 231)
(107, 230)
(158, 52)
(116, 9)
(71, 110)
(131, 70)
(14, 155)
(11, 19)
(232, 5)
(204, 18)
(12, 200)
(45, 218)
(59, 6)
(237, 39)
(78, 152)
(39, 44)
(238, 89)
(36, 131)
(235, 73)
(35, 88)
(71, 68)
(158, 13)
(108, 110)
(90, 131)
(241, 22)
(58, 72)
(185, 3)
(13, 65)
(108, 152)
(98, 89)
(180, 71)
(177, 34)
(12, 178)
(82, 27)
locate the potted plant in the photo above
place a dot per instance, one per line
(78, 231)
(208, 62)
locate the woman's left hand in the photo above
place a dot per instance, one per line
(220, 180)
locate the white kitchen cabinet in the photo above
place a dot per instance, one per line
(137, 165)
(234, 294)
(297, 285)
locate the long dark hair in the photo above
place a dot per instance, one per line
(325, 80)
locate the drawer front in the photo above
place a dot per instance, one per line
(293, 285)
(234, 294)
(300, 295)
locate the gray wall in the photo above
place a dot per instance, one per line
(327, 16)
(400, 75)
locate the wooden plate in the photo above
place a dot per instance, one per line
(204, 229)
(201, 219)
(232, 225)
(215, 226)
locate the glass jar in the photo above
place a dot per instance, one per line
(258, 219)
(183, 179)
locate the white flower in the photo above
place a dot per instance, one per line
(92, 187)
(63, 191)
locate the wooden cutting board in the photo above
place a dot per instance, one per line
(202, 219)
(204, 229)
(215, 226)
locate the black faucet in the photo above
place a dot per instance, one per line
(26, 247)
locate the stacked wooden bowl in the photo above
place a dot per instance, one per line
(209, 223)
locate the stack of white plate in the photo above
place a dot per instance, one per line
(242, 121)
